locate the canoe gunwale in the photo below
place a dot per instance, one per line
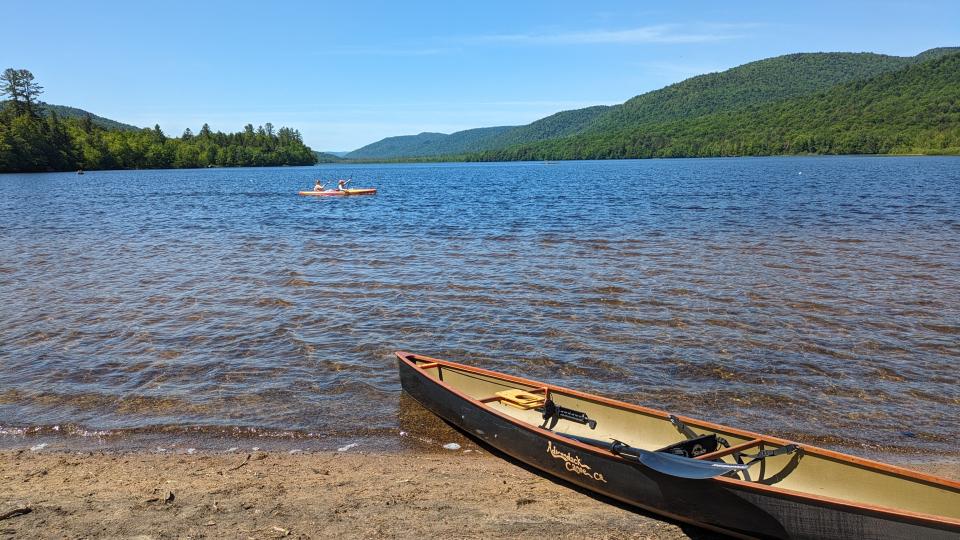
(881, 511)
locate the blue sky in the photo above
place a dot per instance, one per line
(349, 73)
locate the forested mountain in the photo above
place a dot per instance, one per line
(912, 110)
(326, 157)
(71, 112)
(765, 81)
(429, 144)
(62, 111)
(561, 124)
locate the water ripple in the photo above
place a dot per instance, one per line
(156, 305)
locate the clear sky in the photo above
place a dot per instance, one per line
(349, 73)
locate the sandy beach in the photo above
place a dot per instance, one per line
(307, 495)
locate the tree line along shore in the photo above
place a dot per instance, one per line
(35, 138)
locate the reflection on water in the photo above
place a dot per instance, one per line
(813, 298)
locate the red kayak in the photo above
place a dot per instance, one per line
(340, 193)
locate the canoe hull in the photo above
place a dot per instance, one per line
(344, 193)
(731, 509)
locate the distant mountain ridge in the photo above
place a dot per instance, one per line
(430, 144)
(72, 112)
(749, 85)
(326, 157)
(912, 110)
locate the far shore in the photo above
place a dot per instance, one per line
(439, 160)
(455, 494)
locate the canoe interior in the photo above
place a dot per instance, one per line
(816, 473)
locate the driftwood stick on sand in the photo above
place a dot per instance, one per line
(245, 461)
(16, 512)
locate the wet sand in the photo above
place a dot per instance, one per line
(333, 494)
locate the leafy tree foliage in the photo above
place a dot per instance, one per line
(23, 92)
(31, 142)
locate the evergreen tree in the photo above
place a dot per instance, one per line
(18, 85)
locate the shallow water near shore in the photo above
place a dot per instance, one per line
(816, 299)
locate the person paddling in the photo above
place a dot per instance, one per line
(318, 186)
(342, 185)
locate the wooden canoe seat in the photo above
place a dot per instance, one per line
(516, 398)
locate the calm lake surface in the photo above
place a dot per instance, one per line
(817, 299)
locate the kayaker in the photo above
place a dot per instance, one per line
(318, 186)
(342, 184)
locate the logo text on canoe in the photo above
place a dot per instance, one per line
(573, 464)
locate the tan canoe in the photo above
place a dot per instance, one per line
(726, 479)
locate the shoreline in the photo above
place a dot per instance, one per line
(415, 161)
(429, 439)
(467, 493)
(303, 495)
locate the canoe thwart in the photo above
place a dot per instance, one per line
(732, 449)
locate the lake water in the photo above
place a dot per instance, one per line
(817, 299)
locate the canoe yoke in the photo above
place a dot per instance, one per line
(707, 447)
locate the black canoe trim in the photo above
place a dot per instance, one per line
(411, 359)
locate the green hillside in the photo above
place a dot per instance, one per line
(70, 112)
(757, 83)
(560, 124)
(913, 110)
(324, 157)
(764, 81)
(429, 144)
(556, 125)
